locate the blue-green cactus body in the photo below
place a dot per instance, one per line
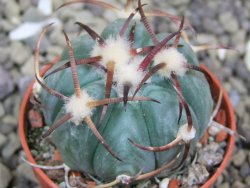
(147, 123)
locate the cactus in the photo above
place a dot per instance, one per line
(128, 104)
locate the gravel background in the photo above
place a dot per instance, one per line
(217, 22)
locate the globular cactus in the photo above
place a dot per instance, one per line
(128, 104)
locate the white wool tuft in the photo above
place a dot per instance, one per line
(116, 50)
(36, 90)
(128, 73)
(174, 61)
(186, 135)
(78, 107)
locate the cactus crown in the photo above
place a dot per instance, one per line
(127, 104)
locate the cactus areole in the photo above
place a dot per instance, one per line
(122, 106)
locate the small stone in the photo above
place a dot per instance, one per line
(247, 180)
(26, 68)
(219, 180)
(6, 26)
(210, 155)
(233, 174)
(25, 4)
(2, 139)
(224, 185)
(4, 54)
(33, 15)
(6, 84)
(9, 106)
(16, 74)
(238, 39)
(206, 39)
(234, 97)
(12, 146)
(56, 37)
(19, 53)
(238, 85)
(179, 2)
(2, 112)
(245, 170)
(85, 15)
(5, 176)
(212, 26)
(26, 171)
(197, 174)
(238, 184)
(6, 128)
(23, 83)
(10, 120)
(229, 22)
(31, 43)
(11, 10)
(54, 51)
(247, 55)
(239, 158)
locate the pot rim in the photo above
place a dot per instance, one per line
(43, 177)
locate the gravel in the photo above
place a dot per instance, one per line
(5, 176)
(217, 22)
(6, 84)
(12, 145)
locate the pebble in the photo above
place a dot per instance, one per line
(247, 55)
(233, 174)
(6, 84)
(26, 68)
(19, 53)
(239, 158)
(26, 171)
(54, 51)
(4, 41)
(6, 129)
(210, 155)
(234, 97)
(245, 170)
(4, 54)
(32, 14)
(23, 83)
(5, 176)
(24, 5)
(10, 120)
(238, 41)
(238, 184)
(2, 139)
(229, 22)
(11, 10)
(224, 185)
(238, 85)
(197, 174)
(56, 37)
(31, 43)
(247, 180)
(12, 146)
(2, 112)
(219, 181)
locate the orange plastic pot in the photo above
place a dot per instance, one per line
(44, 180)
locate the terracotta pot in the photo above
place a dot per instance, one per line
(44, 180)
